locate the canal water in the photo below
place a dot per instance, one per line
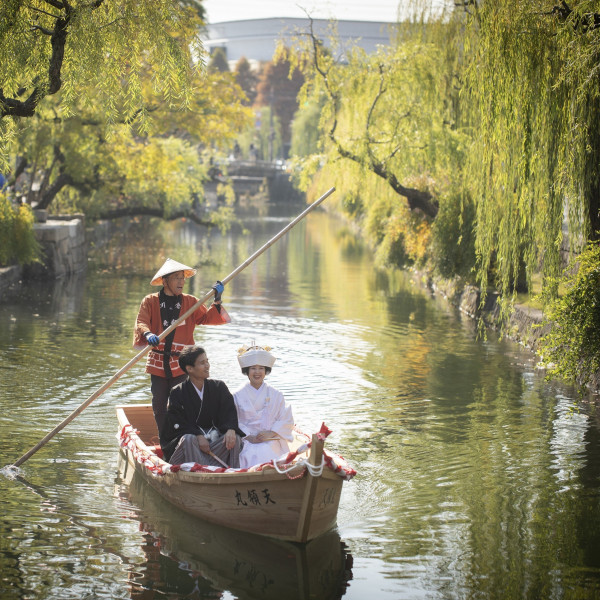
(476, 478)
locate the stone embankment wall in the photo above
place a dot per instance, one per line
(9, 277)
(524, 323)
(64, 251)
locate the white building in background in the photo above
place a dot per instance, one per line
(256, 39)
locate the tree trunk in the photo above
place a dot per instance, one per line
(137, 211)
(416, 199)
(58, 184)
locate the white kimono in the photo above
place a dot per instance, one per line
(263, 409)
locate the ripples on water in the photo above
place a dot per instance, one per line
(476, 478)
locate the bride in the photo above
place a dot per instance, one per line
(262, 412)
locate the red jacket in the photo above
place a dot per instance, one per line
(148, 320)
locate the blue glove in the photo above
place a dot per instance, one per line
(152, 339)
(218, 287)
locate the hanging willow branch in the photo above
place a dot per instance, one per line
(14, 107)
(417, 200)
(52, 45)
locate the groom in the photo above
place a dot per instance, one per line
(201, 424)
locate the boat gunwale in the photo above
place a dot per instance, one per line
(268, 473)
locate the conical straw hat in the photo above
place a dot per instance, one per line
(172, 266)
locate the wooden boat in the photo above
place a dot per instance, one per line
(191, 552)
(297, 501)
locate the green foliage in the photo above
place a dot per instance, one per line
(490, 105)
(81, 164)
(113, 114)
(385, 117)
(26, 247)
(493, 111)
(7, 218)
(164, 173)
(571, 349)
(314, 173)
(403, 237)
(399, 237)
(264, 135)
(17, 238)
(270, 144)
(100, 44)
(222, 217)
(453, 239)
(536, 145)
(247, 79)
(305, 130)
(218, 61)
(512, 169)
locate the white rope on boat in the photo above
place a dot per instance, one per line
(314, 470)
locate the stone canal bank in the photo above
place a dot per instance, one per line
(64, 251)
(524, 323)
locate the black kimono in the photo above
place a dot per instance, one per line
(186, 413)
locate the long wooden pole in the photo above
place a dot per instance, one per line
(166, 332)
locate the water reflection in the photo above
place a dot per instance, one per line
(192, 558)
(476, 478)
(56, 301)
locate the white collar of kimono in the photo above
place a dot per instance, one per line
(200, 392)
(263, 386)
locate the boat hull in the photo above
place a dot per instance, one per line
(248, 566)
(296, 506)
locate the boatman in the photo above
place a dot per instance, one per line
(201, 424)
(157, 312)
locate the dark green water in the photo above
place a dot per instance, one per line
(476, 479)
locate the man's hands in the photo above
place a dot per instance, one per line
(152, 338)
(230, 439)
(203, 443)
(218, 287)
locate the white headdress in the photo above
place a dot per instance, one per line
(249, 356)
(171, 266)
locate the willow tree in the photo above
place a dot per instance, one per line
(534, 166)
(534, 161)
(52, 45)
(487, 122)
(390, 128)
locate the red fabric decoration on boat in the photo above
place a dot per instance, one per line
(157, 450)
(206, 469)
(150, 460)
(290, 457)
(323, 432)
